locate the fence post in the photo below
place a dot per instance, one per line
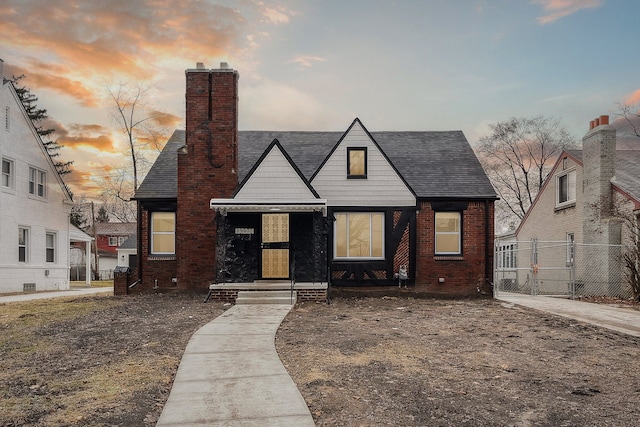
(534, 267)
(572, 268)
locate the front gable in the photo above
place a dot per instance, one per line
(375, 183)
(275, 177)
(549, 219)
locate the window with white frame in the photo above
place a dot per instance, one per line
(50, 250)
(359, 235)
(163, 233)
(23, 244)
(448, 233)
(113, 240)
(121, 240)
(37, 182)
(7, 173)
(565, 188)
(506, 259)
(571, 248)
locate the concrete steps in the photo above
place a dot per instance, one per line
(266, 297)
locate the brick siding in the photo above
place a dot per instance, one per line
(210, 157)
(467, 274)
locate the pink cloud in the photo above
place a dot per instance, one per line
(634, 98)
(556, 9)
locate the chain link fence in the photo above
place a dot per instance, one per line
(560, 268)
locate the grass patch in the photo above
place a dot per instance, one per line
(94, 283)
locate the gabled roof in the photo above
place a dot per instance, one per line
(627, 173)
(276, 147)
(161, 181)
(435, 165)
(130, 243)
(114, 228)
(65, 190)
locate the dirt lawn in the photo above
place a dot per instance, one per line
(407, 362)
(105, 361)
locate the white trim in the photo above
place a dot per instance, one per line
(223, 206)
(571, 175)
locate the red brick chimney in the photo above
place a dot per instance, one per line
(207, 168)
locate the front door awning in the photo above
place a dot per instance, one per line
(223, 206)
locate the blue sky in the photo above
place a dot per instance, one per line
(316, 65)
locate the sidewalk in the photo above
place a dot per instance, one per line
(73, 292)
(620, 319)
(230, 374)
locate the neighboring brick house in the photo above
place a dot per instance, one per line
(109, 237)
(355, 207)
(575, 210)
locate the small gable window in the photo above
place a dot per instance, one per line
(566, 188)
(357, 162)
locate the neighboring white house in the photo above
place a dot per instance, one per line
(128, 253)
(35, 205)
(572, 238)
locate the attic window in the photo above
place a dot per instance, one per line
(357, 162)
(565, 189)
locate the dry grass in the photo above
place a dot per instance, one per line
(98, 360)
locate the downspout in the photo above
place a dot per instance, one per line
(139, 243)
(487, 265)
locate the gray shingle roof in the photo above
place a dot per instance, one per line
(130, 243)
(161, 181)
(628, 172)
(434, 164)
(113, 228)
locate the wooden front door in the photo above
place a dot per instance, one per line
(275, 246)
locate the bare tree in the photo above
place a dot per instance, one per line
(630, 245)
(129, 110)
(518, 155)
(116, 192)
(38, 117)
(629, 122)
(146, 132)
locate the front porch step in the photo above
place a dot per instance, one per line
(266, 297)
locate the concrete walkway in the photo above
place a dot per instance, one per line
(73, 292)
(620, 319)
(231, 375)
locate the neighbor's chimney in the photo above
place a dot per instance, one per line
(598, 158)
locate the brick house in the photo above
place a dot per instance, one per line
(575, 221)
(222, 206)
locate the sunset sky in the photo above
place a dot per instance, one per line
(318, 64)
